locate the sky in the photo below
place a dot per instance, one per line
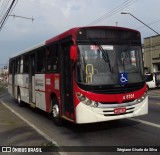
(53, 17)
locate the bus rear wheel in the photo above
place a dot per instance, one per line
(19, 101)
(56, 112)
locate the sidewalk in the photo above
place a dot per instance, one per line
(15, 132)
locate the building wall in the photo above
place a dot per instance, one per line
(152, 53)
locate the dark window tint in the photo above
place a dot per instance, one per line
(52, 58)
(40, 61)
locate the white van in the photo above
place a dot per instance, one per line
(150, 80)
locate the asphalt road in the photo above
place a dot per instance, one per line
(139, 131)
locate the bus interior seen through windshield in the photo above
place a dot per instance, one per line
(101, 64)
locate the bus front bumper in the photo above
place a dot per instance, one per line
(87, 114)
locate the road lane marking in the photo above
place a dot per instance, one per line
(34, 127)
(30, 124)
(145, 122)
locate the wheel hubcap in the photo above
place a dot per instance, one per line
(55, 111)
(19, 99)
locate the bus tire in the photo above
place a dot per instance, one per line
(57, 120)
(19, 101)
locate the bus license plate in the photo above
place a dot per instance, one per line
(120, 110)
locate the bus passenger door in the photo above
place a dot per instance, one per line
(66, 85)
(31, 79)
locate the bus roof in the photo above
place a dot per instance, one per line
(72, 32)
(29, 49)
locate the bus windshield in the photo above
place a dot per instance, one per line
(102, 64)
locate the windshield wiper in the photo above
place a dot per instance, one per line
(104, 55)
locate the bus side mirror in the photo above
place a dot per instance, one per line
(73, 53)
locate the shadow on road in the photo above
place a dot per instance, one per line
(92, 127)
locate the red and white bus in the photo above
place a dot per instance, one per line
(83, 75)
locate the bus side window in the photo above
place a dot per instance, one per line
(40, 67)
(17, 65)
(33, 65)
(52, 58)
(26, 64)
(10, 66)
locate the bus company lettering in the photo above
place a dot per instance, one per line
(39, 82)
(56, 83)
(48, 81)
(27, 80)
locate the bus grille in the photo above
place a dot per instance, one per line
(116, 102)
(113, 110)
(111, 113)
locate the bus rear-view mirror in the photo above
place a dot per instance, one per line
(73, 53)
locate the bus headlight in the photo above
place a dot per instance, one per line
(142, 98)
(82, 98)
(86, 100)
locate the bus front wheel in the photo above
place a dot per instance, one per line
(56, 112)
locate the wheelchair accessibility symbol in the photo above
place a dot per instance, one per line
(123, 78)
